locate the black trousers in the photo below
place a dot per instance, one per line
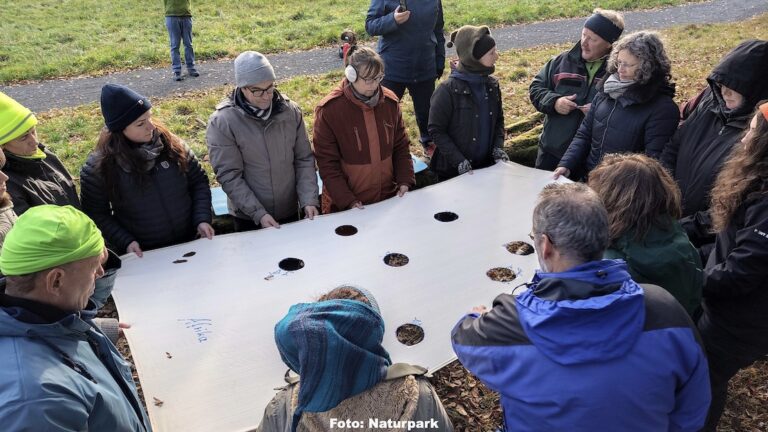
(546, 161)
(421, 93)
(726, 354)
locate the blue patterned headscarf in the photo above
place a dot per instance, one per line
(335, 347)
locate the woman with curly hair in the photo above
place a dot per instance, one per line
(633, 110)
(643, 203)
(142, 185)
(734, 325)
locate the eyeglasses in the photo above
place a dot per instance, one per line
(532, 234)
(374, 80)
(620, 65)
(260, 92)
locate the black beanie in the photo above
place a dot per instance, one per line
(120, 106)
(483, 45)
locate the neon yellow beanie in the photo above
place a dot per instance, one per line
(15, 119)
(47, 236)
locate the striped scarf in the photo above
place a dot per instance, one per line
(335, 347)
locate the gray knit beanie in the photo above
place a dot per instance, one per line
(251, 68)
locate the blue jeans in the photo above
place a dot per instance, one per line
(180, 29)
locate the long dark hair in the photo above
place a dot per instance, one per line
(112, 144)
(637, 192)
(743, 174)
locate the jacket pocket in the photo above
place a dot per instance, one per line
(357, 138)
(389, 131)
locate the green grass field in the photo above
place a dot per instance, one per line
(57, 38)
(71, 133)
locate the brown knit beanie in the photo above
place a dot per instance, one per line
(472, 43)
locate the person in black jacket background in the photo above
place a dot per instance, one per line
(633, 111)
(716, 121)
(142, 185)
(564, 88)
(35, 175)
(466, 120)
(734, 325)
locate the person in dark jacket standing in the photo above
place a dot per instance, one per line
(643, 204)
(715, 124)
(466, 120)
(633, 111)
(563, 90)
(35, 175)
(142, 185)
(584, 347)
(734, 325)
(412, 45)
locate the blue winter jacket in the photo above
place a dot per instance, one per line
(589, 350)
(64, 376)
(413, 51)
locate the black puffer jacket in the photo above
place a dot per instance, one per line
(736, 275)
(641, 120)
(163, 211)
(699, 148)
(454, 125)
(34, 182)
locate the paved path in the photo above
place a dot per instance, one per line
(60, 93)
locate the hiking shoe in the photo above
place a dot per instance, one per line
(177, 76)
(193, 73)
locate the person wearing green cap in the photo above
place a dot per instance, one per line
(36, 175)
(58, 371)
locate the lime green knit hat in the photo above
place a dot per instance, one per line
(47, 236)
(15, 119)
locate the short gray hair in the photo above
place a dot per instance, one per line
(649, 49)
(575, 220)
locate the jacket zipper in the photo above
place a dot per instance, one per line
(607, 123)
(359, 143)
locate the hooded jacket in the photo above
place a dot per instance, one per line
(164, 210)
(664, 257)
(736, 275)
(699, 148)
(563, 75)
(362, 152)
(64, 376)
(34, 182)
(640, 121)
(264, 167)
(455, 125)
(413, 51)
(589, 350)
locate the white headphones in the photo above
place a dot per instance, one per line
(351, 73)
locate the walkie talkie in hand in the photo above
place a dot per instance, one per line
(403, 6)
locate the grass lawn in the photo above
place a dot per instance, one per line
(56, 38)
(71, 133)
